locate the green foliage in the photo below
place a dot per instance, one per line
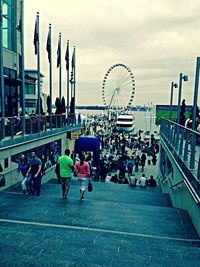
(165, 114)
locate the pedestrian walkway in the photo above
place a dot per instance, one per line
(115, 225)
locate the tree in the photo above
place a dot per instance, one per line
(72, 108)
(41, 108)
(63, 105)
(58, 106)
(48, 104)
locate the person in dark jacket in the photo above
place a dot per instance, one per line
(35, 174)
(151, 182)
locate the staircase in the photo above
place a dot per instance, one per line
(115, 225)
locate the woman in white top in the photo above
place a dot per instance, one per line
(132, 180)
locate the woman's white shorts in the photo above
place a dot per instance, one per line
(83, 183)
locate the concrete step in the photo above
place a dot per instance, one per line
(38, 245)
(114, 225)
(123, 193)
(104, 210)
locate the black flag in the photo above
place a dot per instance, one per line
(35, 39)
(58, 52)
(48, 46)
(67, 57)
(73, 60)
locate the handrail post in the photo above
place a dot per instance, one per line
(31, 126)
(192, 147)
(198, 172)
(181, 143)
(185, 157)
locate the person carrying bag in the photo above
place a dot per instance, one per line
(82, 172)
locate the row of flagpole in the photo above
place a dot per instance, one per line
(36, 41)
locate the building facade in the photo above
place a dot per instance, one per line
(12, 64)
(11, 55)
(31, 92)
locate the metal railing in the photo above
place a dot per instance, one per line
(35, 124)
(184, 144)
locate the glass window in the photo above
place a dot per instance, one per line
(5, 163)
(6, 72)
(30, 103)
(12, 74)
(9, 2)
(7, 90)
(30, 89)
(9, 31)
(13, 91)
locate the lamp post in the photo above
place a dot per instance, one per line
(173, 85)
(182, 78)
(185, 79)
(22, 68)
(2, 102)
(196, 89)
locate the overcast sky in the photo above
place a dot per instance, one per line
(157, 39)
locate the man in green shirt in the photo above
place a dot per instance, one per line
(66, 168)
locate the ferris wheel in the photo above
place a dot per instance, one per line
(118, 87)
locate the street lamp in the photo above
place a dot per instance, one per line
(2, 102)
(173, 85)
(185, 79)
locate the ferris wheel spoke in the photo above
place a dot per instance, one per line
(127, 83)
(112, 81)
(118, 75)
(126, 76)
(122, 74)
(124, 81)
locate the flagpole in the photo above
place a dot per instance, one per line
(50, 72)
(60, 71)
(2, 76)
(68, 81)
(23, 76)
(74, 74)
(38, 66)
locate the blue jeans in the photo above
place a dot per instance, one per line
(37, 184)
(29, 182)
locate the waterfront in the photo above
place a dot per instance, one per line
(142, 119)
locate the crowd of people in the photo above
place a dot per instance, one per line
(122, 155)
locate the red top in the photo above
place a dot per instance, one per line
(82, 171)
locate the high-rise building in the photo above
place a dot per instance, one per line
(11, 55)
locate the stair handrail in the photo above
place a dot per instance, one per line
(164, 179)
(177, 184)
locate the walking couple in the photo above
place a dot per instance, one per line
(81, 171)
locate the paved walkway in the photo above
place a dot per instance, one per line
(115, 225)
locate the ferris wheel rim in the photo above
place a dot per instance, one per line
(130, 77)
